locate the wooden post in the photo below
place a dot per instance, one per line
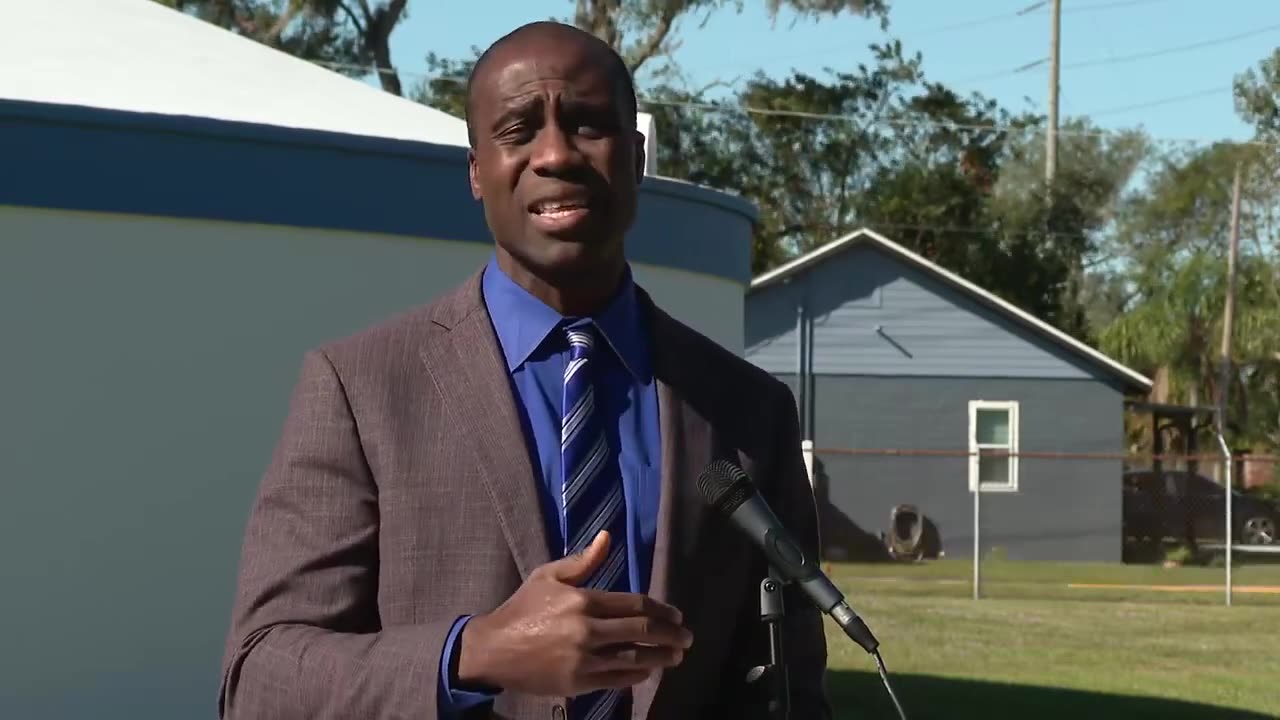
(1051, 136)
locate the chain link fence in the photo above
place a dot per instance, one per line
(1053, 526)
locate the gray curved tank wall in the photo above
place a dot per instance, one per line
(153, 329)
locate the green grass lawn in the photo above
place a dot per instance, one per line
(1063, 581)
(1037, 649)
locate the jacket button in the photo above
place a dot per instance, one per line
(557, 712)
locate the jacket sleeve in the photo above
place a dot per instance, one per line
(306, 641)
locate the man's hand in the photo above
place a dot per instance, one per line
(553, 638)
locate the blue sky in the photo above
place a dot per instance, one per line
(972, 46)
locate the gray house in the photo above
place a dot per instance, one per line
(916, 387)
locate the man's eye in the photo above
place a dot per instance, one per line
(517, 133)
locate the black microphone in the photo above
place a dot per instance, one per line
(726, 487)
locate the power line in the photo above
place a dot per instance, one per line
(1119, 59)
(855, 119)
(896, 226)
(972, 230)
(963, 25)
(1162, 101)
(1174, 50)
(1033, 10)
(833, 117)
(1109, 5)
(1025, 12)
(990, 19)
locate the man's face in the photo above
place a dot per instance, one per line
(556, 161)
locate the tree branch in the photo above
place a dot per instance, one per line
(290, 12)
(653, 44)
(715, 84)
(598, 17)
(377, 39)
(355, 20)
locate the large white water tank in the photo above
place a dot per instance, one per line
(182, 213)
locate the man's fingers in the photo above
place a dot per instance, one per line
(577, 567)
(633, 658)
(639, 631)
(603, 604)
(614, 679)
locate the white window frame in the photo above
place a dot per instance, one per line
(1011, 407)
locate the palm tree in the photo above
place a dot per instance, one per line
(1174, 330)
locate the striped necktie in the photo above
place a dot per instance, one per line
(592, 495)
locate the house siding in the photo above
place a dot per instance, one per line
(873, 314)
(1064, 509)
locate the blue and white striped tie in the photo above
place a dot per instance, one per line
(592, 496)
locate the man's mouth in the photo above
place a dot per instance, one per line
(558, 208)
(559, 216)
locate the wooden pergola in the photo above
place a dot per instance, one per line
(1180, 424)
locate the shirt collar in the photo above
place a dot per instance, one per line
(523, 322)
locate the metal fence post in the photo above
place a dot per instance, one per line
(977, 547)
(1226, 492)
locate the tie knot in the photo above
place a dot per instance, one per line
(581, 338)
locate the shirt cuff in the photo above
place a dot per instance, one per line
(451, 700)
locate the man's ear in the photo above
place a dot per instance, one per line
(640, 159)
(472, 174)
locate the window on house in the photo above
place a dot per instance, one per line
(993, 445)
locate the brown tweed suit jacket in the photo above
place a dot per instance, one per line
(402, 494)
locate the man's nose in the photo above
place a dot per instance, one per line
(554, 151)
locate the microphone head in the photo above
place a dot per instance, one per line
(725, 486)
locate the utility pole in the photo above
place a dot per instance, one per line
(1229, 306)
(1051, 146)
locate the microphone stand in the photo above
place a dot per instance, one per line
(773, 675)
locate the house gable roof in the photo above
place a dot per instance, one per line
(1006, 309)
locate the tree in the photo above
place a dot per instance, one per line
(1175, 327)
(1174, 239)
(804, 172)
(1061, 229)
(641, 31)
(957, 179)
(1257, 96)
(445, 87)
(347, 35)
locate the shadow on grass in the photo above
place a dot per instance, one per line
(861, 695)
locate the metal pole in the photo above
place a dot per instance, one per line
(811, 389)
(801, 397)
(1226, 453)
(977, 547)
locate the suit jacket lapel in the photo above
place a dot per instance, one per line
(687, 444)
(467, 366)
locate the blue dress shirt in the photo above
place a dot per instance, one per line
(536, 350)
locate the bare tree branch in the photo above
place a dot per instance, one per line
(719, 82)
(375, 25)
(652, 45)
(355, 19)
(290, 12)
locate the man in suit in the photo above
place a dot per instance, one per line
(486, 506)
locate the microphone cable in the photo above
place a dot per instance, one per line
(884, 675)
